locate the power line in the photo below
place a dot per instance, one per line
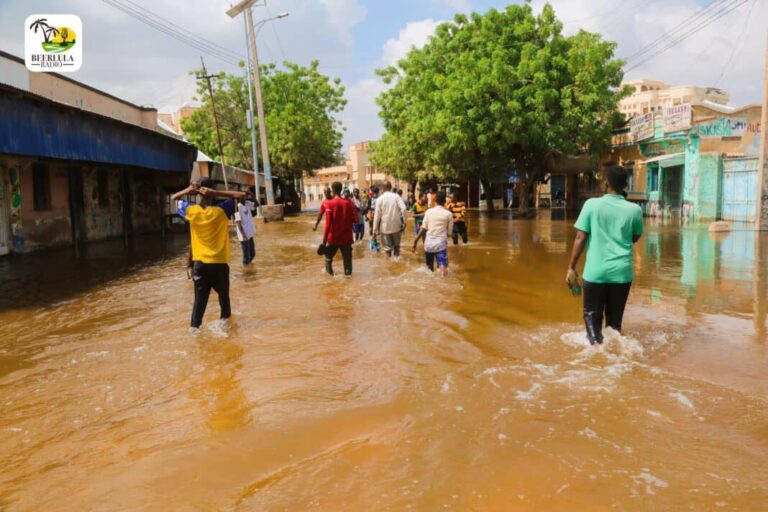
(167, 28)
(274, 30)
(737, 44)
(691, 20)
(184, 30)
(162, 25)
(685, 35)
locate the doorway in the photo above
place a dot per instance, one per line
(672, 190)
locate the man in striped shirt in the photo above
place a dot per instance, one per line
(459, 211)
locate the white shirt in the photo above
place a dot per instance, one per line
(245, 218)
(438, 222)
(390, 213)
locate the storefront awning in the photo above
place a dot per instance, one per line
(667, 160)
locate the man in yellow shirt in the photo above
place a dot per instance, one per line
(209, 240)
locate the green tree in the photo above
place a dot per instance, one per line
(500, 90)
(300, 105)
(402, 159)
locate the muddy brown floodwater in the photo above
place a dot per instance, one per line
(394, 390)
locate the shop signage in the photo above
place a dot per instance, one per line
(641, 127)
(677, 117)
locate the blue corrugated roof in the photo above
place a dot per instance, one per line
(31, 125)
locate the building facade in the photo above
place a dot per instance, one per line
(173, 116)
(653, 96)
(705, 171)
(78, 165)
(357, 172)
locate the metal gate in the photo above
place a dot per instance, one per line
(737, 201)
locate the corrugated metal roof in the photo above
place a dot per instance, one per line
(32, 125)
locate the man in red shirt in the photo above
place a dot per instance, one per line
(340, 214)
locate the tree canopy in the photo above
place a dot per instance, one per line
(501, 90)
(300, 105)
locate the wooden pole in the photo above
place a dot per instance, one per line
(205, 76)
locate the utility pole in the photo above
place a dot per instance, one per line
(205, 76)
(251, 124)
(260, 109)
(761, 213)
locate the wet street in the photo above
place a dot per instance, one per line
(395, 390)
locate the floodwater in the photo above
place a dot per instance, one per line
(395, 390)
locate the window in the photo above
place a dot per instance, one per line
(41, 187)
(102, 185)
(653, 179)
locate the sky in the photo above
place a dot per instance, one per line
(352, 38)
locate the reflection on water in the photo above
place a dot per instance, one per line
(394, 390)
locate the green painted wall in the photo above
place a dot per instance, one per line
(702, 182)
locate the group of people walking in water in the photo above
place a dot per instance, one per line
(607, 228)
(437, 218)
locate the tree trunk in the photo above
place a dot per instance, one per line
(522, 198)
(488, 189)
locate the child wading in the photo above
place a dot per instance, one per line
(209, 238)
(607, 228)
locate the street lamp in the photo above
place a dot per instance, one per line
(251, 31)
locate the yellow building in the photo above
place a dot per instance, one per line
(357, 172)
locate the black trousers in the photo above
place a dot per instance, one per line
(206, 276)
(459, 228)
(604, 300)
(346, 255)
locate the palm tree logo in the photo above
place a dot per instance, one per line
(55, 40)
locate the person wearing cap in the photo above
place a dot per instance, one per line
(209, 240)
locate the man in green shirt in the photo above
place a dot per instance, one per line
(607, 228)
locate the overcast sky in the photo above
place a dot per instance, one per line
(351, 38)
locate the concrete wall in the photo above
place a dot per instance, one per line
(145, 205)
(102, 221)
(71, 93)
(30, 229)
(14, 73)
(47, 228)
(744, 140)
(701, 183)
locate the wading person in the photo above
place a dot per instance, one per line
(246, 229)
(419, 208)
(209, 240)
(327, 196)
(389, 220)
(340, 215)
(371, 208)
(437, 224)
(459, 211)
(431, 198)
(359, 227)
(607, 227)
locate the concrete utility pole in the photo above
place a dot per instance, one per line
(271, 211)
(761, 214)
(205, 76)
(251, 124)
